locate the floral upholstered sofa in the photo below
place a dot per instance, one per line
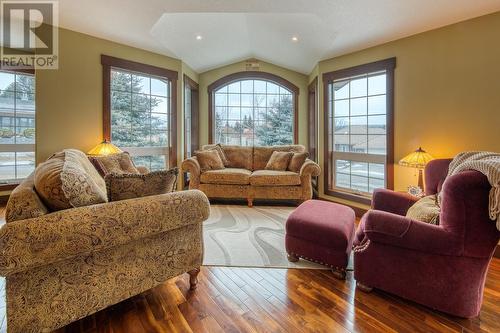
(64, 265)
(245, 175)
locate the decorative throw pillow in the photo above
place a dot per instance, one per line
(120, 164)
(279, 160)
(209, 160)
(128, 186)
(296, 161)
(222, 154)
(68, 179)
(425, 210)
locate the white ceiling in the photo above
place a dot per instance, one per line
(235, 30)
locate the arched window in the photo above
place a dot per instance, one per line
(253, 108)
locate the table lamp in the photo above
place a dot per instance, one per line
(418, 159)
(104, 148)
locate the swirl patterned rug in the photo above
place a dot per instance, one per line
(248, 237)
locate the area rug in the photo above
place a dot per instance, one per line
(248, 237)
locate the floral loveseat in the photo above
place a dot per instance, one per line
(245, 176)
(64, 265)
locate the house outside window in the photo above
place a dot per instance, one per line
(17, 126)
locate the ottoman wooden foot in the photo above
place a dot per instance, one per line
(250, 202)
(292, 258)
(363, 288)
(193, 278)
(339, 273)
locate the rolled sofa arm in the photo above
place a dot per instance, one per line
(310, 168)
(392, 202)
(65, 234)
(192, 166)
(399, 231)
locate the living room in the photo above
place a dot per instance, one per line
(250, 166)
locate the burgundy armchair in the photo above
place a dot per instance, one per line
(443, 267)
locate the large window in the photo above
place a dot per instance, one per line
(140, 110)
(17, 126)
(253, 108)
(358, 126)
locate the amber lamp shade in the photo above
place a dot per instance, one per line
(104, 148)
(417, 159)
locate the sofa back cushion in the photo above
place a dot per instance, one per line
(261, 155)
(68, 179)
(237, 156)
(120, 164)
(24, 203)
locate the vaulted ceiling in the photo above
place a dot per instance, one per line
(295, 34)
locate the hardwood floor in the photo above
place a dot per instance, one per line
(231, 299)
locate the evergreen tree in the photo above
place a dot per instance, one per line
(131, 119)
(278, 128)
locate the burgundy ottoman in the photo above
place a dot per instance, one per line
(322, 232)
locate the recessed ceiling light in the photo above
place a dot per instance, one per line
(295, 39)
(199, 37)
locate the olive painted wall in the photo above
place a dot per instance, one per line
(447, 90)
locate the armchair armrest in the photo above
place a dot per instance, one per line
(392, 202)
(395, 230)
(65, 234)
(310, 168)
(192, 166)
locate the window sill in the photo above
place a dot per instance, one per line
(350, 196)
(8, 187)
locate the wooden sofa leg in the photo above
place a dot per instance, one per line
(193, 278)
(363, 287)
(292, 257)
(250, 202)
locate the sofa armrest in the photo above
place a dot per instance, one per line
(392, 202)
(310, 168)
(192, 166)
(142, 169)
(65, 234)
(399, 231)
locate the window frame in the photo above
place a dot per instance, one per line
(195, 113)
(312, 119)
(109, 62)
(25, 71)
(251, 75)
(389, 66)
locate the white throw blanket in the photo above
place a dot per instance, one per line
(487, 163)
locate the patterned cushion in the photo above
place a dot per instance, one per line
(425, 210)
(237, 156)
(68, 179)
(222, 154)
(261, 155)
(279, 161)
(128, 186)
(117, 163)
(209, 160)
(273, 178)
(297, 161)
(228, 176)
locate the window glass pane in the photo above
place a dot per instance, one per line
(272, 101)
(358, 106)
(272, 88)
(234, 100)
(341, 89)
(376, 170)
(7, 166)
(377, 124)
(25, 101)
(220, 99)
(377, 105)
(343, 180)
(375, 183)
(341, 108)
(358, 143)
(377, 144)
(342, 125)
(140, 116)
(376, 84)
(247, 100)
(247, 87)
(6, 100)
(359, 183)
(259, 87)
(234, 88)
(358, 125)
(7, 81)
(341, 142)
(159, 87)
(358, 87)
(25, 164)
(359, 169)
